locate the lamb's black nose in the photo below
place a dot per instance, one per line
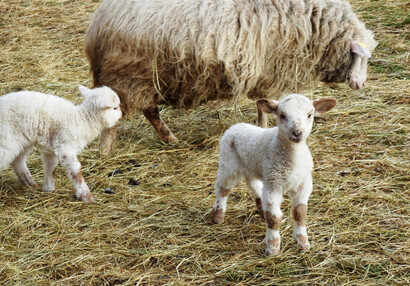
(297, 133)
(296, 136)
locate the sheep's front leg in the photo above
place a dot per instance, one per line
(300, 199)
(262, 119)
(152, 114)
(20, 169)
(271, 200)
(107, 140)
(73, 168)
(50, 162)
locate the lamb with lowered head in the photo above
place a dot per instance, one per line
(60, 128)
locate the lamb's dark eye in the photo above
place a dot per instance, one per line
(115, 108)
(310, 115)
(282, 116)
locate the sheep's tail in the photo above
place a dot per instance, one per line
(92, 51)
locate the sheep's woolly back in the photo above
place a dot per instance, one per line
(182, 53)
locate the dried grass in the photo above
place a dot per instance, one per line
(159, 233)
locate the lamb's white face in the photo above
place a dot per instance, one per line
(107, 101)
(110, 105)
(295, 117)
(295, 114)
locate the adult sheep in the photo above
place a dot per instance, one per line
(182, 53)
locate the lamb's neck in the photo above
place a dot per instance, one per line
(90, 121)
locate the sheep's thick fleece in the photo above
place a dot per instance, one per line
(182, 53)
(60, 128)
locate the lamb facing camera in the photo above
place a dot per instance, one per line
(273, 162)
(60, 128)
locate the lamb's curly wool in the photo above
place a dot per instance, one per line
(60, 128)
(182, 53)
(273, 162)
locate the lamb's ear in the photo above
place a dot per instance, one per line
(104, 106)
(267, 105)
(323, 105)
(360, 49)
(85, 92)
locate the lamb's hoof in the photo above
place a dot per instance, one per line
(305, 246)
(48, 190)
(86, 198)
(302, 241)
(27, 179)
(217, 216)
(272, 251)
(33, 184)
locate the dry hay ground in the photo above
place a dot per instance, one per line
(159, 232)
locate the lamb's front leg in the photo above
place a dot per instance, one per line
(271, 200)
(300, 199)
(73, 168)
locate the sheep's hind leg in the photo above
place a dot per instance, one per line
(107, 140)
(20, 168)
(152, 114)
(262, 119)
(255, 186)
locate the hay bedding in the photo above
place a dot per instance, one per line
(159, 232)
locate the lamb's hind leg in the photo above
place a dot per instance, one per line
(225, 182)
(107, 140)
(152, 114)
(256, 188)
(50, 162)
(20, 168)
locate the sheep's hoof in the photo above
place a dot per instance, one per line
(48, 190)
(86, 198)
(217, 216)
(171, 139)
(106, 150)
(272, 251)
